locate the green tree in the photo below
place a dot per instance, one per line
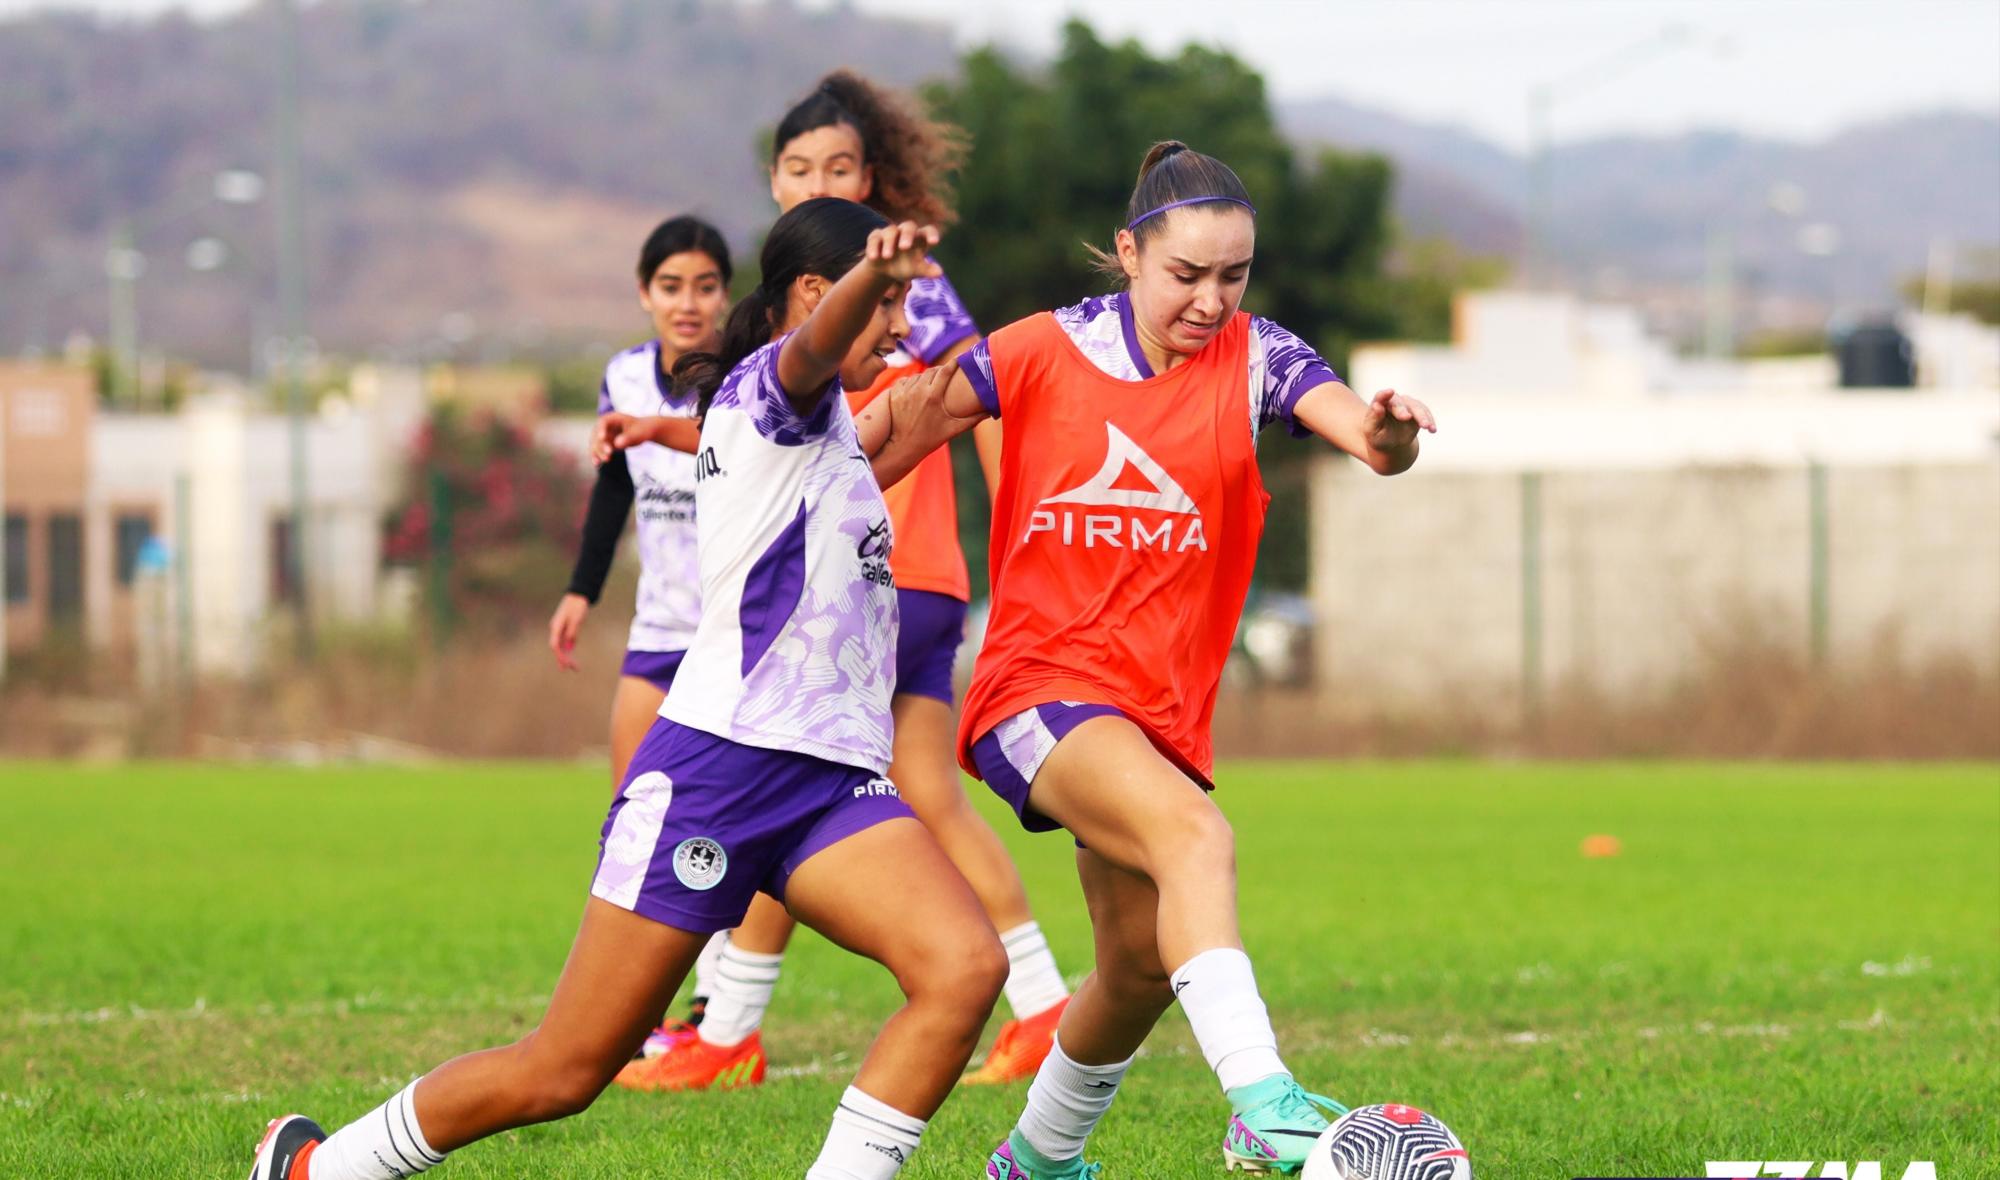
(1054, 156)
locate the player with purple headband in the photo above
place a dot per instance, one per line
(851, 138)
(764, 771)
(1125, 531)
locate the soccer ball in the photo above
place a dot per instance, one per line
(1392, 1142)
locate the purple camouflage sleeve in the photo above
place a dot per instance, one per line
(938, 319)
(1291, 369)
(604, 395)
(977, 365)
(753, 387)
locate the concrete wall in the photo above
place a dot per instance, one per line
(232, 463)
(1645, 577)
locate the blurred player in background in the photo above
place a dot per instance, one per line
(1125, 531)
(854, 140)
(750, 782)
(684, 276)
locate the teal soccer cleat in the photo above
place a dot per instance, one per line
(1275, 1125)
(1015, 1159)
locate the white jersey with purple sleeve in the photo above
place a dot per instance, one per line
(663, 495)
(796, 649)
(1282, 366)
(938, 319)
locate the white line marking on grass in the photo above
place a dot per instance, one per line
(367, 1003)
(1906, 966)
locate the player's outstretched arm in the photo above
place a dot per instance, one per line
(914, 417)
(812, 356)
(617, 432)
(1381, 432)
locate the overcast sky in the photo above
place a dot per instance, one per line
(1796, 68)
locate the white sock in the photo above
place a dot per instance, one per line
(743, 982)
(1033, 984)
(869, 1140)
(1065, 1102)
(384, 1144)
(1219, 994)
(704, 965)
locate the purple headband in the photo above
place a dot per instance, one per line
(1189, 201)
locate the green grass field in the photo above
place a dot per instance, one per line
(1785, 963)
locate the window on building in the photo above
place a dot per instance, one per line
(17, 558)
(134, 530)
(65, 566)
(284, 585)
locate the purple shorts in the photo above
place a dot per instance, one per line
(658, 667)
(933, 625)
(703, 823)
(1012, 752)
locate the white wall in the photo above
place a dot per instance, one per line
(237, 461)
(1647, 575)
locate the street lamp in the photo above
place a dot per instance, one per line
(124, 264)
(1543, 95)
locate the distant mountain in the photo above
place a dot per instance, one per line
(491, 164)
(1637, 212)
(484, 170)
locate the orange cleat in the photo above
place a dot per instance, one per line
(694, 1064)
(1019, 1049)
(665, 1039)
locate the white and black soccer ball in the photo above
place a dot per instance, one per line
(1391, 1142)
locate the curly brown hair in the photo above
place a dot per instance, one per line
(912, 155)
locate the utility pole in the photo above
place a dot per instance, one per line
(292, 302)
(1543, 96)
(123, 264)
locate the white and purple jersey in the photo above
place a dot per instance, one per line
(938, 319)
(1282, 366)
(796, 649)
(663, 493)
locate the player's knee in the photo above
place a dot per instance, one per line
(566, 1091)
(966, 972)
(552, 1086)
(1136, 979)
(980, 971)
(1193, 837)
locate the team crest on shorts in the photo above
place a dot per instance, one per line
(700, 862)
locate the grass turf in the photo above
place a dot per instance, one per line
(1786, 962)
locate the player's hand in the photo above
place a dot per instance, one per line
(616, 432)
(1391, 421)
(917, 413)
(563, 626)
(901, 252)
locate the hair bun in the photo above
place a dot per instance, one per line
(1159, 153)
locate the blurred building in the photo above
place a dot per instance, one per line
(46, 416)
(1596, 512)
(167, 535)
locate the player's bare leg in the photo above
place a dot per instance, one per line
(926, 772)
(634, 708)
(1141, 814)
(1109, 1017)
(936, 941)
(622, 969)
(727, 1046)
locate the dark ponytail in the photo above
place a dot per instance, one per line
(1171, 174)
(824, 236)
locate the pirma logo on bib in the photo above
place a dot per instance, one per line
(1130, 479)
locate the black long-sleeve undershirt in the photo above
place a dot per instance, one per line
(603, 523)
